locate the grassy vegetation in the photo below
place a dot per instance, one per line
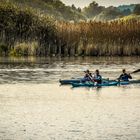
(24, 32)
(131, 17)
(22, 25)
(24, 49)
(100, 39)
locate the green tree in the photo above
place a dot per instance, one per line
(137, 9)
(93, 9)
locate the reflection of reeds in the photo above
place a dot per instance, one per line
(25, 32)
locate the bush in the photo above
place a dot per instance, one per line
(3, 49)
(24, 49)
(137, 9)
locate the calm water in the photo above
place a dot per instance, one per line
(33, 106)
(50, 70)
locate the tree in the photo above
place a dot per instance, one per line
(137, 9)
(73, 7)
(79, 9)
(126, 12)
(93, 9)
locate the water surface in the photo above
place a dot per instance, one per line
(50, 70)
(33, 106)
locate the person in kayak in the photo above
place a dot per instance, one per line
(97, 77)
(87, 77)
(124, 76)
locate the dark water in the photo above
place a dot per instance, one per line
(50, 70)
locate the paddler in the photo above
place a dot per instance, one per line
(125, 76)
(97, 77)
(87, 77)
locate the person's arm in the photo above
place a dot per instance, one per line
(129, 76)
(120, 77)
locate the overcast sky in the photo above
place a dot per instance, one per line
(82, 3)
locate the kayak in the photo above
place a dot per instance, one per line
(109, 83)
(67, 82)
(129, 82)
(89, 84)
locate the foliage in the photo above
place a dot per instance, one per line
(126, 12)
(24, 49)
(100, 38)
(126, 7)
(93, 9)
(24, 31)
(132, 17)
(109, 13)
(54, 8)
(3, 49)
(137, 9)
(22, 25)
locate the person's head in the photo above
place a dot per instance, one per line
(124, 71)
(87, 71)
(97, 72)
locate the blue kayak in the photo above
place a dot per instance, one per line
(90, 84)
(109, 83)
(129, 82)
(67, 82)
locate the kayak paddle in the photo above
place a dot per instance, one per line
(138, 70)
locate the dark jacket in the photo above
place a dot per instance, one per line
(98, 79)
(125, 77)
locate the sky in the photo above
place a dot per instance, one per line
(83, 3)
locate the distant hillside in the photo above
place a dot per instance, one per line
(59, 11)
(121, 12)
(109, 13)
(54, 8)
(125, 7)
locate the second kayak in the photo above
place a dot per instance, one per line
(94, 85)
(109, 83)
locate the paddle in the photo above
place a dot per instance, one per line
(136, 71)
(92, 80)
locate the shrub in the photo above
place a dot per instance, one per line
(3, 49)
(24, 49)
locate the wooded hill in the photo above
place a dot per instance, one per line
(60, 11)
(54, 8)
